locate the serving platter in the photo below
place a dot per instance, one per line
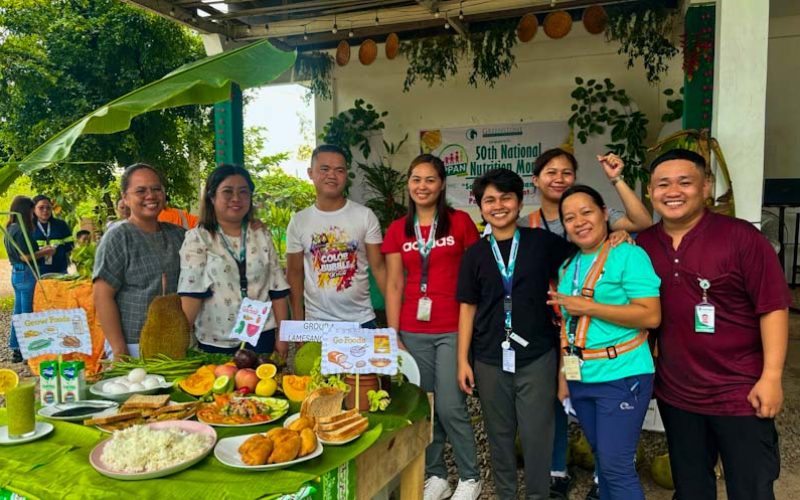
(102, 409)
(278, 406)
(227, 452)
(97, 389)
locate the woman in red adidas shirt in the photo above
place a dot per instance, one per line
(423, 254)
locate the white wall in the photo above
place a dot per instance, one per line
(537, 90)
(782, 152)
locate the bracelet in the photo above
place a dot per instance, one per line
(615, 180)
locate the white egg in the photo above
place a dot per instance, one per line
(136, 386)
(151, 383)
(114, 388)
(152, 377)
(137, 375)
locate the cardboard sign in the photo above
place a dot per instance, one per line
(360, 351)
(312, 331)
(56, 331)
(253, 315)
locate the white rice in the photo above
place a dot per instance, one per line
(141, 449)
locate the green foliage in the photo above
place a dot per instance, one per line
(83, 257)
(643, 29)
(7, 303)
(436, 59)
(387, 185)
(596, 108)
(60, 60)
(349, 129)
(675, 106)
(378, 400)
(491, 52)
(433, 59)
(315, 67)
(21, 187)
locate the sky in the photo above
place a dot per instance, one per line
(279, 108)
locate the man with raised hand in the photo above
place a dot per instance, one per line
(723, 337)
(329, 246)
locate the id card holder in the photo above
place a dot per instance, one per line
(704, 318)
(509, 361)
(424, 306)
(48, 260)
(572, 367)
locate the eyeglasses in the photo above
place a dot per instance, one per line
(141, 192)
(227, 194)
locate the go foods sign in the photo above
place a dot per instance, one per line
(469, 152)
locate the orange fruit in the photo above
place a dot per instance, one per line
(8, 380)
(266, 370)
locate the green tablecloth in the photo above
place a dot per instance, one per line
(57, 466)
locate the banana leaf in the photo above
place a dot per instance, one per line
(201, 82)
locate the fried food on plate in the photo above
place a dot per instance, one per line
(301, 423)
(308, 442)
(286, 445)
(256, 450)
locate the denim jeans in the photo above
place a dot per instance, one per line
(24, 282)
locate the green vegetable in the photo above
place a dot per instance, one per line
(83, 257)
(378, 400)
(160, 364)
(319, 380)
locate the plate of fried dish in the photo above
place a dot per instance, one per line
(229, 411)
(278, 448)
(153, 450)
(143, 409)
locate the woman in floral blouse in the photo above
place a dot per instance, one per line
(224, 260)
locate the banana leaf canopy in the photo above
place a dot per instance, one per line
(201, 82)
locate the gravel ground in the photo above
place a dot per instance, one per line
(787, 487)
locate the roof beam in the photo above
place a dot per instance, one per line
(433, 7)
(186, 17)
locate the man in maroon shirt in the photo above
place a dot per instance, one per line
(718, 376)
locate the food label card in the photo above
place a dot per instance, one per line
(55, 331)
(312, 331)
(253, 315)
(360, 351)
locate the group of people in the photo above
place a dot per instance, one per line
(544, 316)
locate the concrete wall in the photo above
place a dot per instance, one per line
(782, 152)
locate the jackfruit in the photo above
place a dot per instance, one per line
(166, 330)
(306, 356)
(662, 472)
(580, 452)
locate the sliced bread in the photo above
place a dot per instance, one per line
(323, 402)
(355, 428)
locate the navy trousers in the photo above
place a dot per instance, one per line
(611, 415)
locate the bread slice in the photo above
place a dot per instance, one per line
(176, 408)
(324, 402)
(345, 415)
(338, 424)
(110, 419)
(353, 429)
(140, 401)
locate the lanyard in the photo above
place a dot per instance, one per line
(575, 334)
(45, 233)
(506, 273)
(241, 262)
(543, 221)
(425, 248)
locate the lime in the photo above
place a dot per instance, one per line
(8, 380)
(222, 384)
(266, 371)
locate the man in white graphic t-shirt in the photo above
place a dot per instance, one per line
(329, 246)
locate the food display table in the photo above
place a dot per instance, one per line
(57, 466)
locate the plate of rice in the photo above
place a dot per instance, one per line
(153, 450)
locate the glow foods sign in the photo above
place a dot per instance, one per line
(469, 152)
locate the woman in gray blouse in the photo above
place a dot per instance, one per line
(136, 261)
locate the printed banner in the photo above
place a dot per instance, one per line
(312, 331)
(469, 152)
(56, 331)
(250, 322)
(360, 351)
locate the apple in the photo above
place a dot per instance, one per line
(246, 377)
(227, 370)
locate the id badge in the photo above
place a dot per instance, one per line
(509, 363)
(424, 306)
(48, 260)
(572, 367)
(704, 318)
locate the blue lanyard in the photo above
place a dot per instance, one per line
(241, 262)
(506, 273)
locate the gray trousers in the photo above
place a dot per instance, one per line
(435, 355)
(522, 401)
